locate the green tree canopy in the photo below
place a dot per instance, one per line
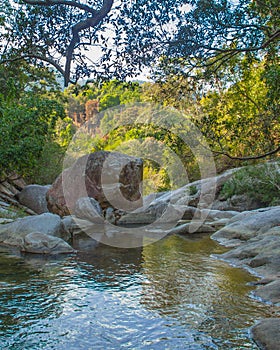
(131, 35)
(30, 106)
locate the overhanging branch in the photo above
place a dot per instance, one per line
(260, 156)
(85, 24)
(49, 60)
(95, 17)
(61, 2)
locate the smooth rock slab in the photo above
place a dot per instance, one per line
(270, 292)
(194, 227)
(40, 243)
(266, 334)
(14, 232)
(250, 226)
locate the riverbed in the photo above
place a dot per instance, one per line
(173, 294)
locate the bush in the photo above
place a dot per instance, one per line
(260, 183)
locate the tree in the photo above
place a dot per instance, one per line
(55, 31)
(30, 106)
(212, 32)
(239, 120)
(130, 35)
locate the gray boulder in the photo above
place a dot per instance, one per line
(13, 233)
(34, 197)
(40, 243)
(89, 209)
(160, 212)
(267, 334)
(270, 292)
(73, 226)
(248, 227)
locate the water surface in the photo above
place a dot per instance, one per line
(168, 295)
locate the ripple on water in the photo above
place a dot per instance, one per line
(169, 295)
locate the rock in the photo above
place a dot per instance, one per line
(266, 334)
(89, 209)
(256, 237)
(218, 224)
(14, 232)
(34, 197)
(110, 216)
(237, 202)
(261, 253)
(72, 226)
(270, 292)
(4, 204)
(112, 178)
(5, 221)
(248, 227)
(159, 212)
(245, 214)
(189, 212)
(8, 213)
(192, 227)
(218, 214)
(41, 243)
(137, 218)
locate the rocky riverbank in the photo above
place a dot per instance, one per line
(252, 234)
(254, 237)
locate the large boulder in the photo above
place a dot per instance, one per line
(248, 226)
(40, 243)
(112, 178)
(270, 292)
(34, 197)
(236, 202)
(13, 233)
(267, 333)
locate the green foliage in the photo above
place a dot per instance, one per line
(48, 165)
(31, 107)
(192, 190)
(240, 115)
(108, 94)
(12, 213)
(260, 183)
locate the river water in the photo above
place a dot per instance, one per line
(172, 294)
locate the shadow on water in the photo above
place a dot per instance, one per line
(168, 295)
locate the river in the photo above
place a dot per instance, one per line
(172, 294)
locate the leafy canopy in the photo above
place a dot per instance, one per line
(118, 38)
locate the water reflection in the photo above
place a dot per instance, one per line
(169, 295)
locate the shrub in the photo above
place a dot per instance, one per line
(260, 182)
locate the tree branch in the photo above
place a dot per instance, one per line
(89, 22)
(96, 16)
(61, 2)
(264, 155)
(39, 57)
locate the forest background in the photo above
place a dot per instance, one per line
(223, 77)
